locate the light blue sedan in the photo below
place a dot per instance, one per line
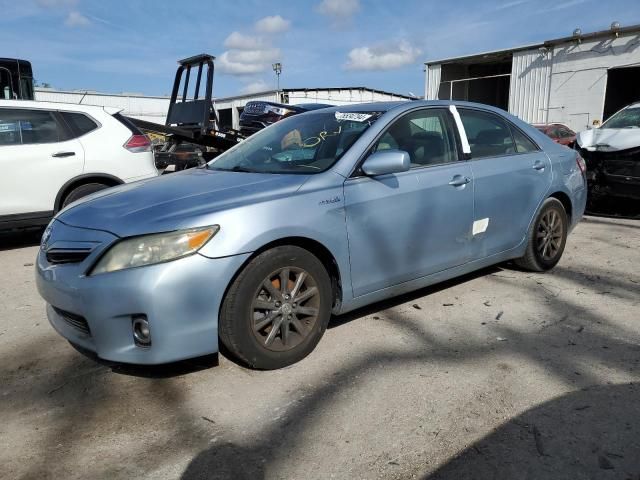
(320, 213)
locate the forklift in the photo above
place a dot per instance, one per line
(192, 128)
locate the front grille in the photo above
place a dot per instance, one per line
(67, 255)
(255, 108)
(76, 321)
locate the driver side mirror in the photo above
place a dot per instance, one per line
(386, 161)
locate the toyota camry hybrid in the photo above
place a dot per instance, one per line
(320, 213)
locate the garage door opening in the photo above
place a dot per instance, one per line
(623, 88)
(226, 117)
(485, 82)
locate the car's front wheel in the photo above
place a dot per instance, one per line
(547, 237)
(277, 308)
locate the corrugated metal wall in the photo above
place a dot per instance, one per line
(432, 82)
(530, 83)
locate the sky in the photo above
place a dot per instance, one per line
(131, 46)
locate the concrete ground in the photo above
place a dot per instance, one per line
(500, 374)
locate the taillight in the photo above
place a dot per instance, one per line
(138, 143)
(582, 165)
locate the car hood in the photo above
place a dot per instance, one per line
(609, 139)
(178, 200)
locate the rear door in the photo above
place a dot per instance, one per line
(37, 157)
(407, 225)
(511, 177)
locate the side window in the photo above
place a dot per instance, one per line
(9, 128)
(523, 144)
(488, 134)
(565, 132)
(38, 126)
(80, 124)
(6, 87)
(555, 132)
(426, 135)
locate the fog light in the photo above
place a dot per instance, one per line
(141, 331)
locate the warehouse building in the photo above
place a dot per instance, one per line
(579, 80)
(154, 109)
(151, 109)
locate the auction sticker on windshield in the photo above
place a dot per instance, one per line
(355, 117)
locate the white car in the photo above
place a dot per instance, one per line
(52, 154)
(612, 154)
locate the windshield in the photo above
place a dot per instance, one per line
(627, 118)
(309, 143)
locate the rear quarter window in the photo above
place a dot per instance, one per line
(79, 123)
(523, 143)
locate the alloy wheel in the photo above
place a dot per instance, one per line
(285, 308)
(549, 235)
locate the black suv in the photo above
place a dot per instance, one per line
(258, 115)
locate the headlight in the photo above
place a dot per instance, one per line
(155, 248)
(277, 110)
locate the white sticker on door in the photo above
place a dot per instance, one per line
(480, 226)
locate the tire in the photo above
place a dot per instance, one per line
(261, 324)
(547, 237)
(82, 191)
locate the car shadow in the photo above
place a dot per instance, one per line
(166, 370)
(588, 433)
(13, 239)
(615, 208)
(339, 320)
(599, 438)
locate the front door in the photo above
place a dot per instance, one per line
(411, 224)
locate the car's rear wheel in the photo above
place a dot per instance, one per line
(277, 309)
(547, 237)
(82, 191)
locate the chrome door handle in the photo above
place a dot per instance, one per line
(538, 165)
(63, 154)
(459, 181)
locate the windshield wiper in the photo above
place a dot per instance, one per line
(236, 168)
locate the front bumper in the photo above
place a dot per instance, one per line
(180, 299)
(614, 174)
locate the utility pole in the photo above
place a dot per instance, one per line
(277, 67)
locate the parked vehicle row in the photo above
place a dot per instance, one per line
(53, 154)
(322, 212)
(612, 154)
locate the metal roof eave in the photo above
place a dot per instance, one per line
(548, 43)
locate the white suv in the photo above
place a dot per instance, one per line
(51, 154)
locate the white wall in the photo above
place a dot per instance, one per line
(152, 109)
(579, 77)
(568, 83)
(340, 96)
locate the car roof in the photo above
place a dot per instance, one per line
(70, 107)
(408, 105)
